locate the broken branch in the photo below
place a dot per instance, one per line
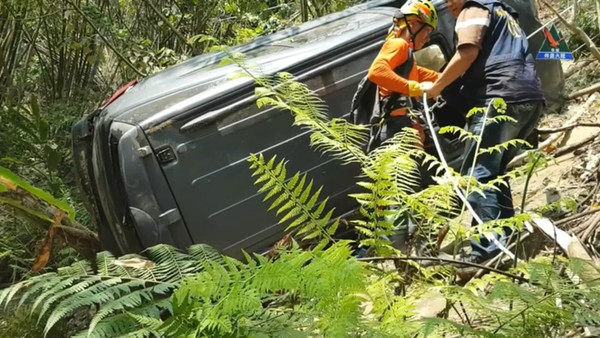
(544, 131)
(43, 215)
(588, 90)
(444, 260)
(567, 149)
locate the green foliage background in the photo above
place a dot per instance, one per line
(60, 59)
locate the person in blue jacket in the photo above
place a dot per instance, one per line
(491, 61)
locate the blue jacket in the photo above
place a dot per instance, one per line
(504, 67)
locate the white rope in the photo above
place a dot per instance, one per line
(455, 185)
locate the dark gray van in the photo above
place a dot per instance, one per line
(164, 160)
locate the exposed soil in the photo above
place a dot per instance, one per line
(563, 174)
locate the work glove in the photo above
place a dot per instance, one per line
(417, 88)
(414, 88)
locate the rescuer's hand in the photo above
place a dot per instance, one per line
(425, 86)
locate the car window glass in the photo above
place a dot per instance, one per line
(336, 28)
(329, 30)
(335, 86)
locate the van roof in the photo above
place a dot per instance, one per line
(202, 79)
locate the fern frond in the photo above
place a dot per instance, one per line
(499, 119)
(343, 140)
(96, 294)
(392, 175)
(63, 290)
(107, 267)
(121, 285)
(204, 253)
(299, 292)
(337, 137)
(297, 202)
(7, 294)
(130, 300)
(504, 146)
(463, 135)
(286, 93)
(476, 110)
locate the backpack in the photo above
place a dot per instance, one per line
(368, 109)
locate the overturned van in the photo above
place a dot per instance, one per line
(165, 159)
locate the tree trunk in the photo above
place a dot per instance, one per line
(71, 233)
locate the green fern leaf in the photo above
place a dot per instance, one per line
(7, 294)
(93, 295)
(130, 300)
(34, 288)
(204, 253)
(61, 290)
(129, 283)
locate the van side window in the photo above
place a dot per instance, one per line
(336, 86)
(336, 28)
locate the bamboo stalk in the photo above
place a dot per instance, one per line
(108, 43)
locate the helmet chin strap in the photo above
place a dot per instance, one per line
(412, 35)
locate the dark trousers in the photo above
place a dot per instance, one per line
(496, 204)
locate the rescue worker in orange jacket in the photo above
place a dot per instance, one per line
(413, 23)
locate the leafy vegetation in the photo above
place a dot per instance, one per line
(58, 59)
(119, 289)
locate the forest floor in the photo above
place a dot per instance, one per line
(572, 175)
(565, 186)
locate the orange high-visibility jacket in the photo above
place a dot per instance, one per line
(394, 53)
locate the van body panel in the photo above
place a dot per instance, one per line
(167, 160)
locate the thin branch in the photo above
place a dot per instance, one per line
(529, 306)
(576, 30)
(445, 260)
(567, 149)
(167, 22)
(588, 90)
(544, 131)
(575, 68)
(576, 216)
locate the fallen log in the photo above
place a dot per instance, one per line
(41, 214)
(571, 246)
(587, 90)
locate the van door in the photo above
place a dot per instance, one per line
(210, 175)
